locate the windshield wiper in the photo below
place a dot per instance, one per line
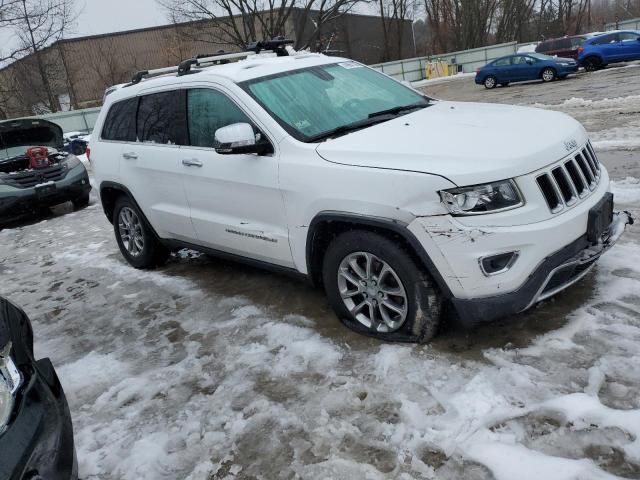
(341, 130)
(397, 110)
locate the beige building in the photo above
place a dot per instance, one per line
(80, 69)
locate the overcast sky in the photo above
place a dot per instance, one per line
(103, 16)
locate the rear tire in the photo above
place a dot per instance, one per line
(376, 288)
(548, 74)
(490, 82)
(591, 64)
(136, 240)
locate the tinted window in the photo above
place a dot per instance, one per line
(564, 44)
(544, 47)
(162, 118)
(502, 62)
(210, 110)
(577, 41)
(120, 123)
(605, 39)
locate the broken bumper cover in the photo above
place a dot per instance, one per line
(17, 201)
(556, 272)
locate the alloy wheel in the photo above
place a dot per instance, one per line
(131, 232)
(372, 292)
(548, 75)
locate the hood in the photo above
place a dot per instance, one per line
(30, 132)
(467, 143)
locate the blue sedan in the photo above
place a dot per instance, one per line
(524, 67)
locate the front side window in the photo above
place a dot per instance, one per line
(315, 103)
(629, 37)
(209, 110)
(120, 124)
(162, 118)
(521, 60)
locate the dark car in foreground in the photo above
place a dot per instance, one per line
(565, 47)
(35, 171)
(614, 47)
(524, 67)
(36, 434)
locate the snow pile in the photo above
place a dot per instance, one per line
(626, 191)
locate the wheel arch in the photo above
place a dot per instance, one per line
(327, 225)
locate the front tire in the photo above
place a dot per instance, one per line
(377, 289)
(490, 82)
(548, 75)
(137, 242)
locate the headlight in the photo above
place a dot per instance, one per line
(72, 161)
(10, 381)
(486, 198)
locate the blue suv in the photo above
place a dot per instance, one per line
(598, 52)
(521, 68)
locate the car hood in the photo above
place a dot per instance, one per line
(29, 132)
(467, 143)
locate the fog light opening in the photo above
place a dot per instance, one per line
(496, 264)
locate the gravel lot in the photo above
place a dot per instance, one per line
(208, 370)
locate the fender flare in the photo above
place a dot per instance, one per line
(394, 226)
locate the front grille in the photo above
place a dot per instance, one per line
(31, 178)
(566, 184)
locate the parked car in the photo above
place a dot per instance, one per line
(522, 68)
(76, 142)
(35, 171)
(614, 47)
(325, 168)
(566, 47)
(36, 434)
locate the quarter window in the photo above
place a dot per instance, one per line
(208, 111)
(162, 118)
(120, 124)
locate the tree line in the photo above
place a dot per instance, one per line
(437, 26)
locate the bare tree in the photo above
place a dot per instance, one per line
(36, 25)
(238, 22)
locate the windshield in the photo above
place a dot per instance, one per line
(317, 101)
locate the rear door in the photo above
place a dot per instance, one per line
(151, 167)
(235, 200)
(502, 69)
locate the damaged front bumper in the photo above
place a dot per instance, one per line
(556, 273)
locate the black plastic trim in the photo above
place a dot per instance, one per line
(174, 244)
(395, 226)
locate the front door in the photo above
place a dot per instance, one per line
(235, 200)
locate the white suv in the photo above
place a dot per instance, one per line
(396, 203)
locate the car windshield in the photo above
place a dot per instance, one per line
(324, 101)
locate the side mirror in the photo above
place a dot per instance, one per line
(529, 61)
(239, 138)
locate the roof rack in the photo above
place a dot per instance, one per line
(275, 45)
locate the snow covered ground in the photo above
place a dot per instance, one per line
(208, 370)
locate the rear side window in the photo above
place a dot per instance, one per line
(502, 62)
(564, 44)
(577, 41)
(543, 47)
(604, 40)
(162, 118)
(210, 110)
(120, 123)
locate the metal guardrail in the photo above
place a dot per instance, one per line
(413, 69)
(633, 24)
(74, 120)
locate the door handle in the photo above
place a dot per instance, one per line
(130, 156)
(191, 162)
